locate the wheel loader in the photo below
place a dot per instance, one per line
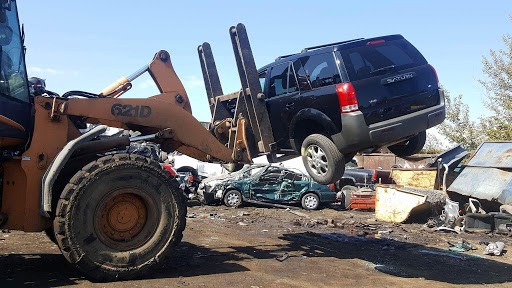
(113, 213)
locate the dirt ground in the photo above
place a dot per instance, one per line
(261, 247)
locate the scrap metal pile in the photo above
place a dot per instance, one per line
(475, 197)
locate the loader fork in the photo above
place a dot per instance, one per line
(250, 101)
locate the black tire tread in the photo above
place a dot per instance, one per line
(190, 170)
(416, 143)
(337, 156)
(85, 175)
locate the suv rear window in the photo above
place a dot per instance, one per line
(316, 71)
(361, 62)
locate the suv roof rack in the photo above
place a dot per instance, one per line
(331, 44)
(284, 56)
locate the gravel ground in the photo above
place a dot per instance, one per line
(262, 247)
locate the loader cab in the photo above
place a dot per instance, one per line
(15, 102)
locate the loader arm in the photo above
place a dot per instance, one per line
(168, 115)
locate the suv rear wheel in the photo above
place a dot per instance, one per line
(323, 161)
(411, 146)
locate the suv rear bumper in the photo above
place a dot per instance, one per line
(356, 135)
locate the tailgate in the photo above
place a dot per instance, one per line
(391, 78)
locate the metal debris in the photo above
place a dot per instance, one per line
(494, 248)
(298, 213)
(506, 209)
(283, 257)
(488, 175)
(447, 229)
(461, 246)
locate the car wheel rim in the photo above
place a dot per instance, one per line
(233, 199)
(317, 160)
(310, 202)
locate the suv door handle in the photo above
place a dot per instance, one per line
(289, 105)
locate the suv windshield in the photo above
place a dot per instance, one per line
(13, 75)
(373, 60)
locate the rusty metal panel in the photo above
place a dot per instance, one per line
(419, 178)
(488, 174)
(398, 204)
(485, 183)
(387, 160)
(493, 154)
(374, 161)
(451, 157)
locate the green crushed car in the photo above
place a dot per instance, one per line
(275, 184)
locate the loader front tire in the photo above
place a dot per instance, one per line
(119, 216)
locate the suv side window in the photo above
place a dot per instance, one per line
(262, 77)
(292, 82)
(282, 80)
(302, 77)
(320, 70)
(278, 79)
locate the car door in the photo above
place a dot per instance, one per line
(266, 185)
(317, 77)
(291, 185)
(301, 183)
(282, 92)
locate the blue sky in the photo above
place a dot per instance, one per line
(86, 45)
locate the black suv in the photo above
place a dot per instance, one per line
(331, 101)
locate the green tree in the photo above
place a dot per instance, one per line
(458, 126)
(498, 83)
(433, 145)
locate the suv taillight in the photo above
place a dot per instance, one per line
(374, 175)
(347, 97)
(435, 73)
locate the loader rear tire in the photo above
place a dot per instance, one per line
(119, 216)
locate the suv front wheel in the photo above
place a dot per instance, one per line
(323, 161)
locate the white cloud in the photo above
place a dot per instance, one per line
(145, 84)
(193, 82)
(44, 71)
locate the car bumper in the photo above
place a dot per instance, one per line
(208, 196)
(356, 135)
